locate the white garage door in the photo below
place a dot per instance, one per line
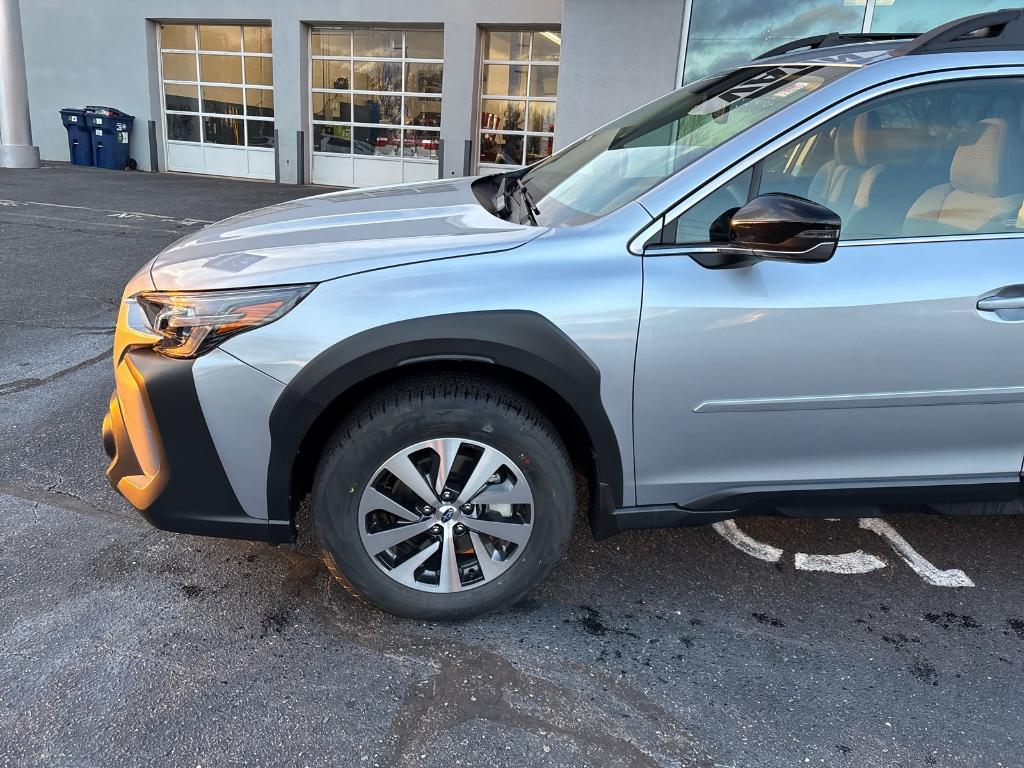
(376, 105)
(218, 99)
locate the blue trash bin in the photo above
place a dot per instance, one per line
(110, 130)
(79, 142)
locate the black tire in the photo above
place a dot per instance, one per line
(428, 408)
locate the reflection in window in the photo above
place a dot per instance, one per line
(369, 84)
(228, 73)
(922, 15)
(721, 38)
(518, 87)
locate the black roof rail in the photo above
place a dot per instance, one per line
(994, 31)
(835, 38)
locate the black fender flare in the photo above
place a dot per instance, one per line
(523, 341)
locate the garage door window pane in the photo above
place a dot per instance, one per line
(261, 133)
(501, 149)
(183, 127)
(547, 46)
(220, 38)
(507, 46)
(180, 36)
(544, 81)
(504, 80)
(181, 98)
(336, 107)
(223, 130)
(421, 111)
(421, 145)
(376, 76)
(383, 142)
(377, 109)
(332, 138)
(223, 101)
(541, 117)
(421, 44)
(538, 147)
(259, 102)
(502, 115)
(179, 66)
(330, 42)
(332, 74)
(424, 78)
(259, 70)
(258, 40)
(377, 43)
(220, 69)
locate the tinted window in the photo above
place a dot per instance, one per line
(933, 160)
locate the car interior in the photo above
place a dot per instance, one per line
(943, 162)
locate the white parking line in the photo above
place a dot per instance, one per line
(107, 212)
(953, 577)
(847, 562)
(729, 531)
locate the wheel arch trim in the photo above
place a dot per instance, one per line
(519, 340)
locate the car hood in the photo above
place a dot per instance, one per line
(337, 234)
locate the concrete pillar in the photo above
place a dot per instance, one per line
(16, 150)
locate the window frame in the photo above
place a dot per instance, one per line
(199, 83)
(646, 241)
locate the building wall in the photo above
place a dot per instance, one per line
(616, 55)
(104, 52)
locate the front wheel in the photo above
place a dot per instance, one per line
(443, 497)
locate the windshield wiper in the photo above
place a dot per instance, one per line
(524, 194)
(503, 198)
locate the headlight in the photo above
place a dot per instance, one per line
(191, 323)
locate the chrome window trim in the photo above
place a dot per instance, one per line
(885, 88)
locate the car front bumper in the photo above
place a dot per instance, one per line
(163, 459)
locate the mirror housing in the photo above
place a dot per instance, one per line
(774, 227)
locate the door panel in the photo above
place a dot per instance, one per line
(876, 366)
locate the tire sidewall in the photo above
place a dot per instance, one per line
(345, 473)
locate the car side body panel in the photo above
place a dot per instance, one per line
(581, 283)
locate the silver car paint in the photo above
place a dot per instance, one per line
(340, 233)
(587, 283)
(583, 280)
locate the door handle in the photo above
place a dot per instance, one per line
(996, 303)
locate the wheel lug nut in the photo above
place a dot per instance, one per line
(467, 507)
(447, 495)
(428, 510)
(460, 529)
(437, 530)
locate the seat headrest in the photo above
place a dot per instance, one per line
(985, 162)
(860, 141)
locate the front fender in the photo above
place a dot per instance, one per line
(522, 341)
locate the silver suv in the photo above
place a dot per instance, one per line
(795, 288)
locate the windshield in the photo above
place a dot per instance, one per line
(618, 163)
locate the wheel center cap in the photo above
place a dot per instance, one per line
(447, 513)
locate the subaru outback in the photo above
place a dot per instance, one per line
(795, 287)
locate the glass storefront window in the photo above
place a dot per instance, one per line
(922, 15)
(229, 73)
(720, 37)
(518, 92)
(368, 88)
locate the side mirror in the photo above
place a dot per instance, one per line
(776, 227)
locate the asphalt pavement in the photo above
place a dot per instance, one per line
(771, 643)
